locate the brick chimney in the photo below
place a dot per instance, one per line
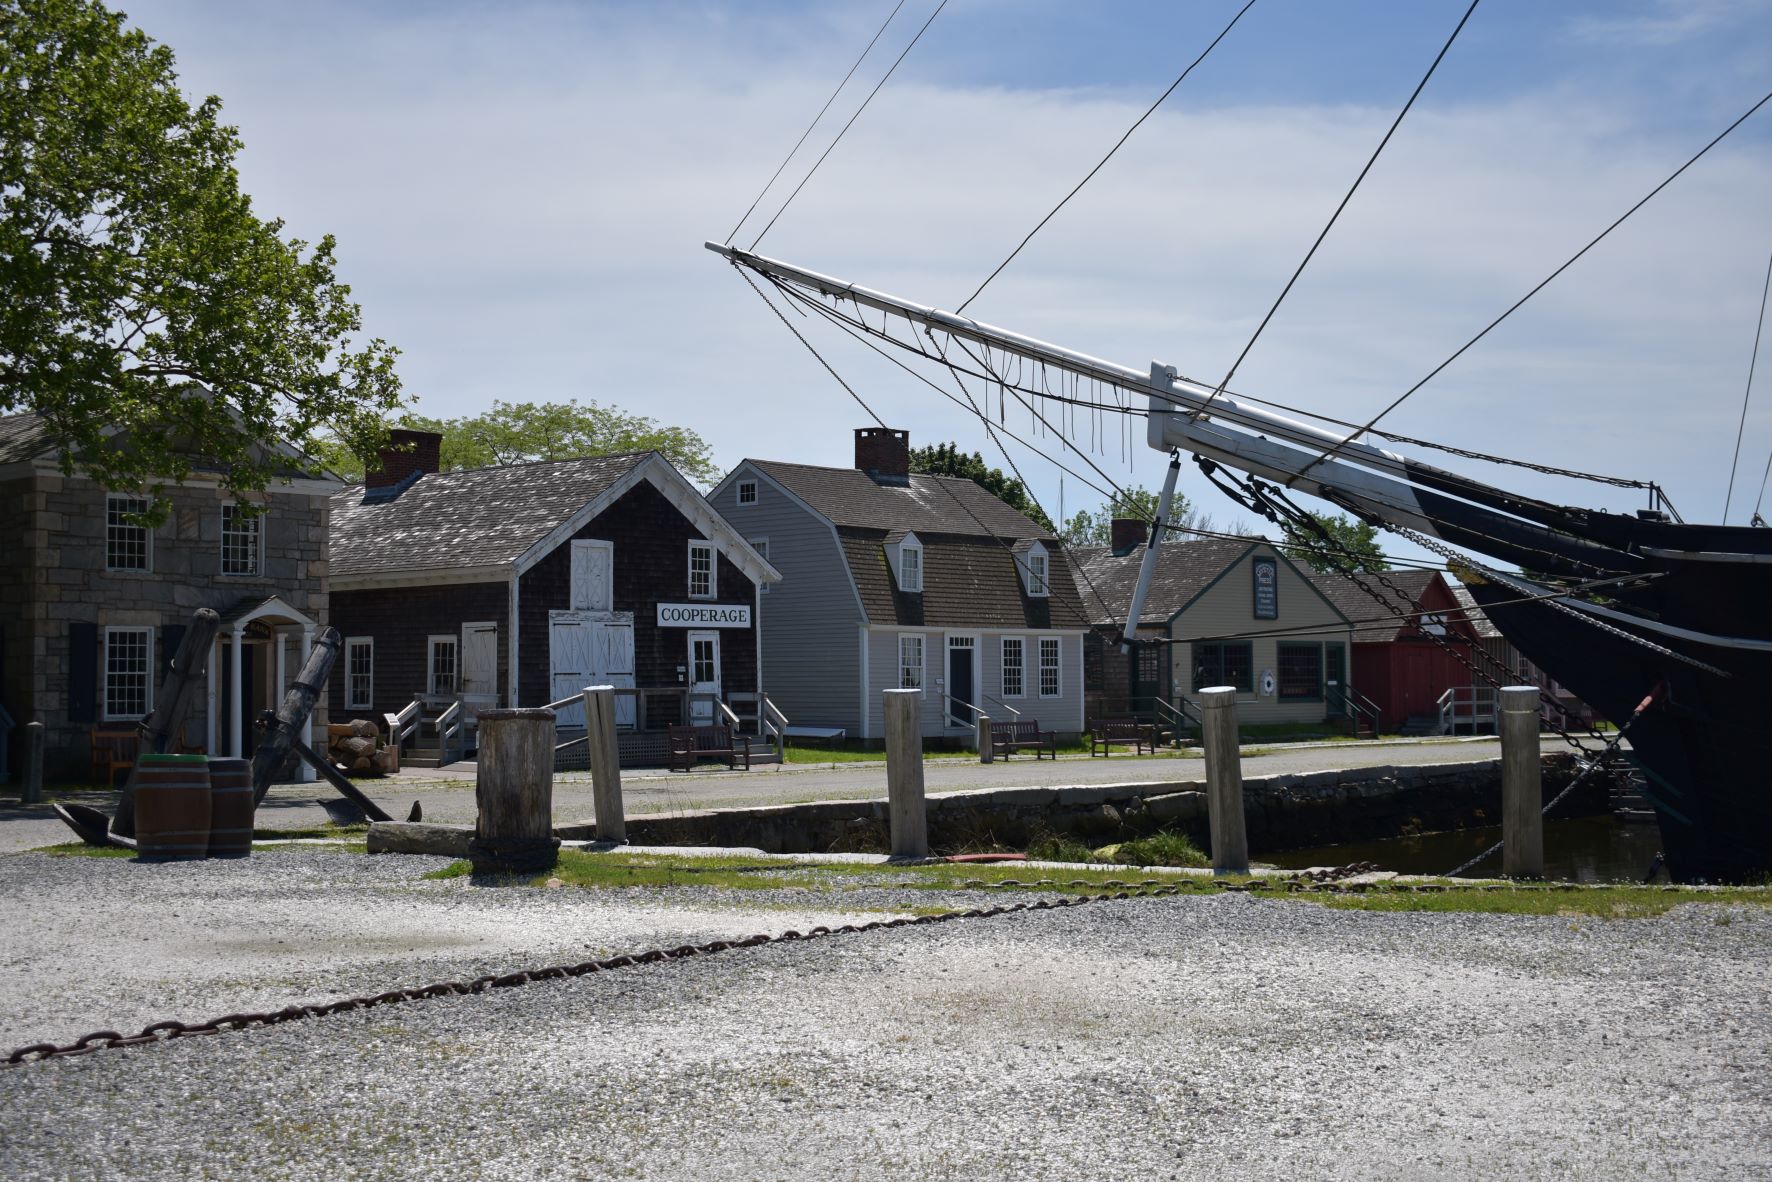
(407, 453)
(1126, 534)
(884, 454)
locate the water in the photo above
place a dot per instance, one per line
(1584, 849)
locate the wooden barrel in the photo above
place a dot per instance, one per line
(230, 808)
(172, 807)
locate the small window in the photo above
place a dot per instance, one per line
(359, 672)
(910, 568)
(1225, 664)
(1014, 667)
(701, 570)
(1433, 623)
(128, 673)
(1050, 684)
(1301, 671)
(747, 492)
(239, 541)
(761, 546)
(128, 545)
(910, 662)
(443, 665)
(1036, 572)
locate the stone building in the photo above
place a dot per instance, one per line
(93, 605)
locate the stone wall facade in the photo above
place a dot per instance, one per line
(55, 589)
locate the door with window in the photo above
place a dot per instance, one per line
(961, 692)
(704, 676)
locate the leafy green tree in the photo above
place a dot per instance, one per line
(1096, 529)
(524, 432)
(149, 315)
(946, 459)
(1352, 545)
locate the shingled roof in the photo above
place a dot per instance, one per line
(1484, 626)
(1357, 604)
(924, 505)
(466, 518)
(1184, 569)
(23, 437)
(967, 583)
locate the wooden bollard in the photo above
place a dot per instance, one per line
(32, 793)
(904, 773)
(985, 754)
(605, 758)
(514, 790)
(1224, 780)
(1522, 784)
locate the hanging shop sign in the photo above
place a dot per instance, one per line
(704, 615)
(1267, 589)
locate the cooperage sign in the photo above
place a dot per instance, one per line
(704, 615)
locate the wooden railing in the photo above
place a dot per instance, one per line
(404, 725)
(1467, 705)
(1359, 707)
(1014, 713)
(1177, 716)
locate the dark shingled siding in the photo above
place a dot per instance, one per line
(401, 620)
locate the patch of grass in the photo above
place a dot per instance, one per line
(79, 849)
(1619, 902)
(328, 830)
(459, 868)
(1059, 849)
(1161, 849)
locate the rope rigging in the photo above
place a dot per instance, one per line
(1746, 394)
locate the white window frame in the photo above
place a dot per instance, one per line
(712, 572)
(431, 643)
(1057, 643)
(352, 701)
(147, 673)
(147, 567)
(922, 665)
(910, 575)
(746, 487)
(761, 546)
(258, 545)
(1021, 659)
(1036, 571)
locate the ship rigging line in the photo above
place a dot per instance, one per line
(1110, 154)
(1118, 492)
(851, 123)
(1545, 282)
(1759, 325)
(1311, 253)
(815, 119)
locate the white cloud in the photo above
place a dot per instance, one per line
(1669, 22)
(520, 198)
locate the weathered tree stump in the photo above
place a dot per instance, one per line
(514, 790)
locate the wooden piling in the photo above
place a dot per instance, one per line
(612, 823)
(1522, 784)
(904, 773)
(1224, 780)
(985, 754)
(514, 791)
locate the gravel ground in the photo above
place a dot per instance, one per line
(1192, 1037)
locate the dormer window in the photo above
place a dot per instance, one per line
(747, 492)
(904, 554)
(1036, 570)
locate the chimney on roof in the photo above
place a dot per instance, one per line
(408, 454)
(884, 454)
(1127, 534)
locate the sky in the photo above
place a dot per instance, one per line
(520, 193)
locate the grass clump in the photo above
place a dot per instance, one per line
(79, 849)
(1161, 849)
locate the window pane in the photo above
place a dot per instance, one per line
(443, 675)
(1036, 574)
(1224, 664)
(126, 544)
(126, 672)
(910, 565)
(1301, 670)
(1049, 680)
(910, 662)
(701, 572)
(239, 542)
(359, 674)
(1012, 667)
(747, 492)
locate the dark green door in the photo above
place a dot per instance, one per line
(1335, 679)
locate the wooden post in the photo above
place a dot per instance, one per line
(984, 739)
(514, 791)
(1522, 784)
(292, 717)
(176, 695)
(1224, 780)
(904, 773)
(32, 792)
(605, 756)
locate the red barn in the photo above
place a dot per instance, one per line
(1413, 663)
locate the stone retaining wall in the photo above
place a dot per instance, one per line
(1282, 812)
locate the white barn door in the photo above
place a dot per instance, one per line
(573, 660)
(615, 666)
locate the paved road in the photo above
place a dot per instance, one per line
(448, 796)
(1222, 1037)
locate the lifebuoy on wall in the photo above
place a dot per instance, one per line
(1267, 683)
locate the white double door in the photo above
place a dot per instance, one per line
(591, 648)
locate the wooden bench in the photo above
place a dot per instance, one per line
(1007, 737)
(691, 745)
(114, 747)
(1141, 736)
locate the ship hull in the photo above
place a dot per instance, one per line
(1705, 749)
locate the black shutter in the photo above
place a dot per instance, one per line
(82, 672)
(171, 636)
